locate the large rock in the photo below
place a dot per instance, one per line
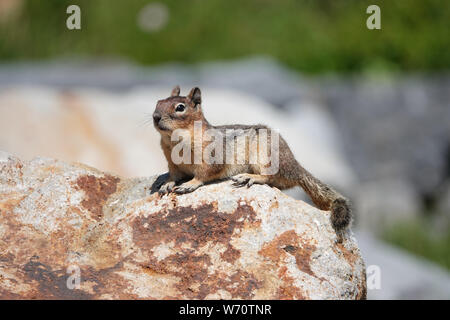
(129, 242)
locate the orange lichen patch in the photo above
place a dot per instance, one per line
(12, 201)
(97, 190)
(194, 226)
(7, 295)
(288, 291)
(290, 243)
(28, 242)
(195, 281)
(9, 222)
(241, 285)
(190, 229)
(350, 256)
(231, 254)
(274, 205)
(48, 283)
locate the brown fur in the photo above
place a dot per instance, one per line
(290, 173)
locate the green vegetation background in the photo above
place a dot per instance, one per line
(419, 237)
(312, 36)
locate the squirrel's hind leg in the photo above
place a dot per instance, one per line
(247, 179)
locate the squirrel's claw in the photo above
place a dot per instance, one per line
(186, 187)
(167, 187)
(241, 180)
(238, 184)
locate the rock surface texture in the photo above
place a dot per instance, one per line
(125, 241)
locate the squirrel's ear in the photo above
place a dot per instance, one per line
(195, 95)
(175, 92)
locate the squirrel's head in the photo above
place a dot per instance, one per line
(178, 112)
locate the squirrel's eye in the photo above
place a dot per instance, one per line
(180, 107)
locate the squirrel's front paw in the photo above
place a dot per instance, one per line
(187, 187)
(167, 187)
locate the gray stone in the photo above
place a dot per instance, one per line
(127, 242)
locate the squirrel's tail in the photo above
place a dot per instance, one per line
(325, 198)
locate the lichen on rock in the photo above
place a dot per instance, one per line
(128, 242)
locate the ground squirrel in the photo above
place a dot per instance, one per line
(178, 114)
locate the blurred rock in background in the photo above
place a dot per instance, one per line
(402, 275)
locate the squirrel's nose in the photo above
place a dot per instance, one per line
(156, 117)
